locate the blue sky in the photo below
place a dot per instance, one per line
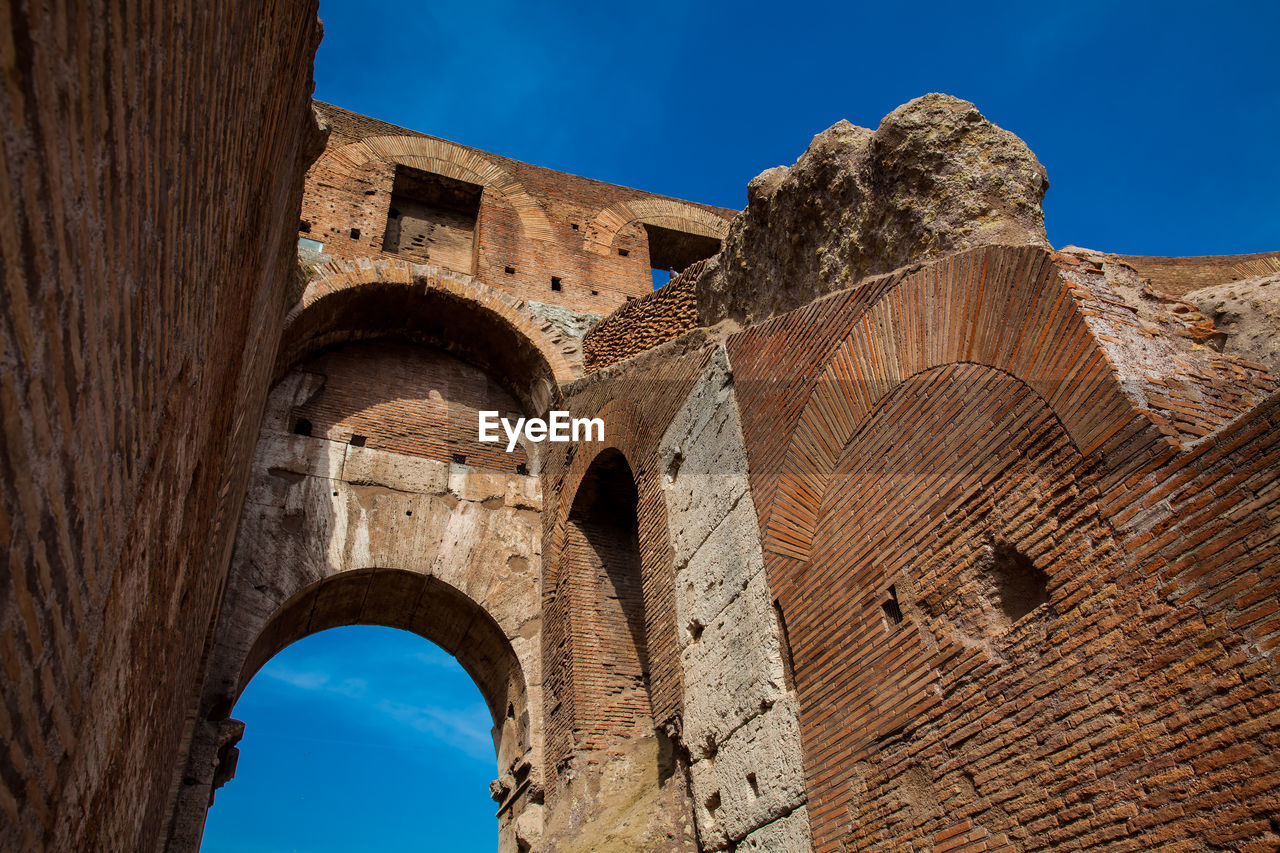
(359, 739)
(1159, 124)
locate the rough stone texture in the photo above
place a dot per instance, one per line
(935, 177)
(740, 721)
(1163, 316)
(573, 324)
(783, 835)
(618, 805)
(756, 778)
(1248, 313)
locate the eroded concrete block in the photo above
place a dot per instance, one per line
(755, 778)
(783, 835)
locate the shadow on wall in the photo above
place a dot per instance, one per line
(603, 546)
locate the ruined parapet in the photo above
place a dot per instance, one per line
(663, 315)
(1247, 314)
(935, 178)
(1180, 276)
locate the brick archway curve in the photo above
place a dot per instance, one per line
(1001, 308)
(666, 212)
(626, 433)
(452, 161)
(354, 300)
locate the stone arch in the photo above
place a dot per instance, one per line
(414, 602)
(453, 161)
(388, 298)
(666, 212)
(338, 533)
(1003, 309)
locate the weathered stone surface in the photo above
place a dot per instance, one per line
(934, 178)
(733, 669)
(756, 778)
(573, 324)
(620, 805)
(704, 468)
(1248, 314)
(784, 834)
(740, 723)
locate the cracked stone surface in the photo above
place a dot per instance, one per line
(1248, 313)
(740, 720)
(936, 177)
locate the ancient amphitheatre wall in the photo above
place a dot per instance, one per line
(930, 540)
(146, 280)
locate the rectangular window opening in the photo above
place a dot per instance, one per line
(459, 459)
(356, 440)
(432, 217)
(892, 610)
(555, 283)
(673, 251)
(310, 245)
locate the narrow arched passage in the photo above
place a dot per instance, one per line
(608, 625)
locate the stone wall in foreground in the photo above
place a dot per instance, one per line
(152, 170)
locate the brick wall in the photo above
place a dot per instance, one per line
(407, 399)
(602, 560)
(636, 408)
(1182, 275)
(535, 222)
(148, 194)
(654, 319)
(1029, 596)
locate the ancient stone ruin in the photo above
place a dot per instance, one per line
(906, 531)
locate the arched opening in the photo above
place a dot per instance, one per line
(603, 551)
(347, 732)
(463, 318)
(368, 455)
(433, 610)
(404, 398)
